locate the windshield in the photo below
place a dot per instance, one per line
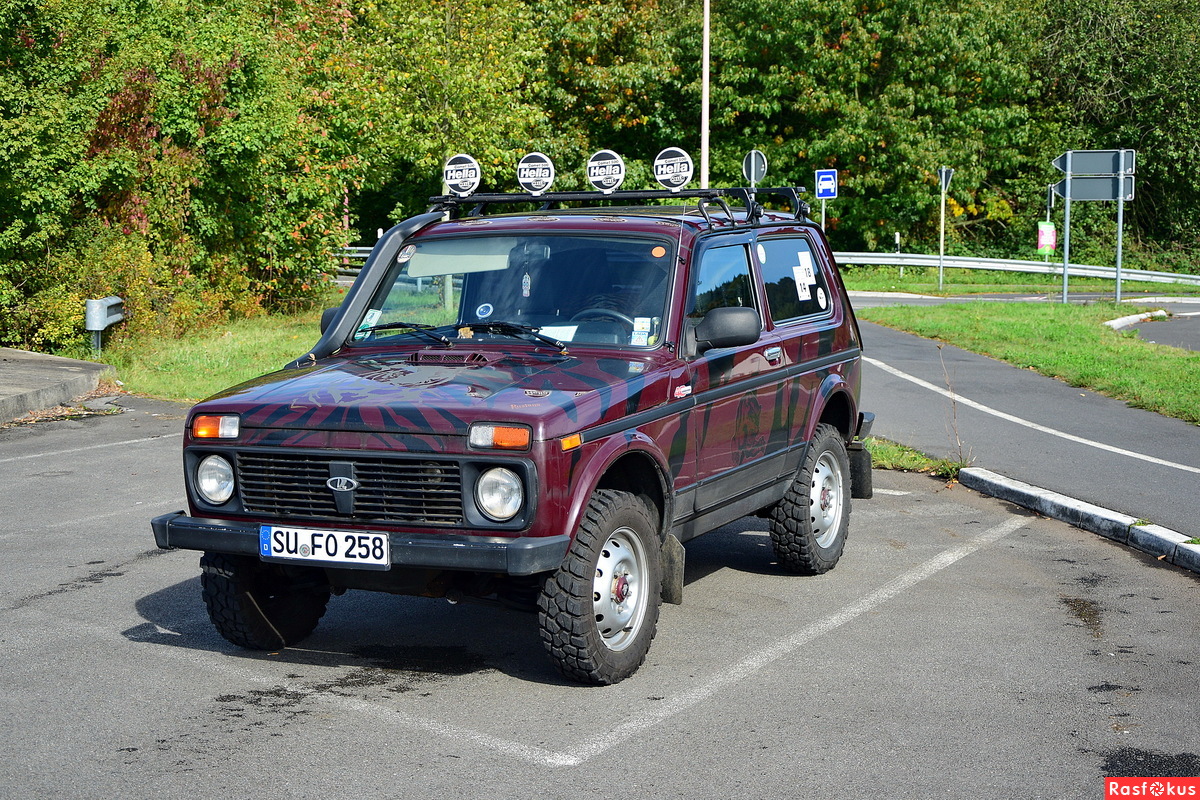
(572, 288)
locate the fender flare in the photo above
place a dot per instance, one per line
(610, 450)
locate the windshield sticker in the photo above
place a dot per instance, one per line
(762, 254)
(642, 324)
(369, 321)
(821, 297)
(564, 333)
(484, 311)
(526, 285)
(659, 251)
(640, 338)
(406, 253)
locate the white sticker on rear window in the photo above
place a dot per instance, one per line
(806, 265)
(821, 297)
(803, 290)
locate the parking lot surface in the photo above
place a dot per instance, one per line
(963, 647)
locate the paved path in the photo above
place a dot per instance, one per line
(953, 404)
(34, 381)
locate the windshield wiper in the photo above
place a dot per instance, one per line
(513, 329)
(415, 327)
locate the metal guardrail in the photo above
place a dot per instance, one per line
(1011, 265)
(360, 254)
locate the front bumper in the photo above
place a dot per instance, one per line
(519, 556)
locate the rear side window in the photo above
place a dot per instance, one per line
(722, 280)
(794, 283)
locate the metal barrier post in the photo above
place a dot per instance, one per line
(100, 314)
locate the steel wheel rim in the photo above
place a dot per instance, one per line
(825, 495)
(619, 593)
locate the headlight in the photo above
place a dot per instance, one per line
(214, 480)
(499, 494)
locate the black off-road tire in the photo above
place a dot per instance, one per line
(262, 606)
(809, 525)
(598, 612)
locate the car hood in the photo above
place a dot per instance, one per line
(443, 392)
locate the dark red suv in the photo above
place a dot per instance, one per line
(539, 408)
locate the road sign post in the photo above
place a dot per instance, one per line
(1099, 175)
(944, 176)
(826, 181)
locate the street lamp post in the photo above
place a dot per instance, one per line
(704, 100)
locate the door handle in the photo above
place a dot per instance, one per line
(774, 354)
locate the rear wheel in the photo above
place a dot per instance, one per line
(262, 606)
(598, 612)
(809, 525)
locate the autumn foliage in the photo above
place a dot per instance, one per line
(204, 158)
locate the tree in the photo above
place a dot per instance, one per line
(1122, 75)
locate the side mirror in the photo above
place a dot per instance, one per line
(728, 327)
(327, 317)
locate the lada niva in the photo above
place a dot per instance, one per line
(539, 408)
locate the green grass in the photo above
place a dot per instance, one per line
(924, 280)
(194, 367)
(1068, 342)
(889, 455)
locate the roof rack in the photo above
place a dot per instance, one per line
(745, 196)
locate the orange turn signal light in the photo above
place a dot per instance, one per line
(500, 437)
(215, 427)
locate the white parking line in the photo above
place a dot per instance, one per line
(958, 398)
(747, 667)
(589, 749)
(90, 447)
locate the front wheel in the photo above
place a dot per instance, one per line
(262, 606)
(598, 612)
(809, 525)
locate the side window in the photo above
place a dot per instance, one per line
(722, 280)
(793, 279)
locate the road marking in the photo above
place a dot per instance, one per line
(622, 733)
(91, 447)
(139, 510)
(893, 492)
(588, 749)
(958, 398)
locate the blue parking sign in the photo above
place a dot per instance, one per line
(827, 184)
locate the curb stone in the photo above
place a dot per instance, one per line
(1156, 540)
(1133, 319)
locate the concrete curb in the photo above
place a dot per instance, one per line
(1134, 319)
(24, 387)
(1169, 545)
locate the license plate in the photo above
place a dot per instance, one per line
(344, 548)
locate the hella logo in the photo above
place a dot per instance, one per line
(341, 484)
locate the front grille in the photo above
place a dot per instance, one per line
(406, 491)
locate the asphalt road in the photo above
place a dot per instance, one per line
(954, 404)
(962, 648)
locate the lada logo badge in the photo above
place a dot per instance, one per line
(340, 484)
